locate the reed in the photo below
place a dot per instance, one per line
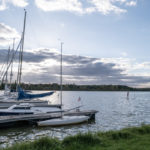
(135, 138)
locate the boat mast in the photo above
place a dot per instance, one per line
(6, 82)
(61, 76)
(22, 46)
(11, 74)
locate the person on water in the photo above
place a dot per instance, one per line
(127, 94)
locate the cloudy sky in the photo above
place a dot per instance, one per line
(105, 41)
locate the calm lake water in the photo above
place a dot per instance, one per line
(115, 112)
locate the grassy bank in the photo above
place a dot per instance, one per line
(137, 138)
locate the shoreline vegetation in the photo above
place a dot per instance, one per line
(134, 138)
(74, 87)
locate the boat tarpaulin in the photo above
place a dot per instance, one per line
(24, 95)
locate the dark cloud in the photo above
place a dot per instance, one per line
(42, 55)
(76, 69)
(40, 78)
(3, 55)
(2, 39)
(27, 56)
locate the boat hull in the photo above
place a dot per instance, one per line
(27, 110)
(65, 120)
(8, 103)
(15, 113)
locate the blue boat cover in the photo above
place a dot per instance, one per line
(23, 95)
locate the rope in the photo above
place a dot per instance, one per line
(10, 61)
(3, 66)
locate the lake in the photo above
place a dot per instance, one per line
(115, 112)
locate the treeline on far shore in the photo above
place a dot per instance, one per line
(74, 87)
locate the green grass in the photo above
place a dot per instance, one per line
(136, 138)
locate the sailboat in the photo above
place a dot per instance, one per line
(6, 88)
(4, 75)
(27, 109)
(21, 93)
(8, 91)
(22, 96)
(63, 120)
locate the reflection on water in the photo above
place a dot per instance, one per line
(115, 112)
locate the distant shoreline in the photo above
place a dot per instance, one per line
(74, 87)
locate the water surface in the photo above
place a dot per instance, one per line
(115, 112)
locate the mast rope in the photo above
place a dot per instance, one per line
(3, 76)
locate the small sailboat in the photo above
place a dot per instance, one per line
(20, 93)
(63, 120)
(27, 109)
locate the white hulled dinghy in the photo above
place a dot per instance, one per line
(65, 120)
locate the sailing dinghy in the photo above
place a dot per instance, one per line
(65, 120)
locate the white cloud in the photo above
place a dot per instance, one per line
(129, 66)
(124, 54)
(7, 34)
(123, 63)
(105, 7)
(2, 5)
(90, 9)
(60, 5)
(131, 3)
(19, 3)
(81, 69)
